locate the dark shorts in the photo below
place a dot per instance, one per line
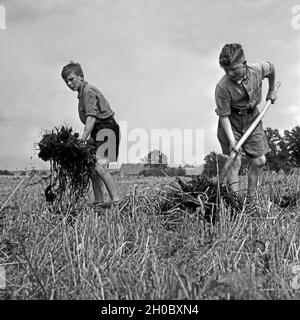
(106, 135)
(255, 146)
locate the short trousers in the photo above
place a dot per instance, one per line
(255, 146)
(106, 136)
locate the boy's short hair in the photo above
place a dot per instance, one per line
(230, 53)
(72, 67)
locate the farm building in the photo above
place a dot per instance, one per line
(114, 172)
(193, 171)
(131, 169)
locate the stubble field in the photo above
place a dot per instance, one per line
(136, 252)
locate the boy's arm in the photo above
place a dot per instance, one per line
(271, 78)
(226, 125)
(223, 102)
(90, 105)
(88, 127)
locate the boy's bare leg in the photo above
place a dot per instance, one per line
(255, 172)
(233, 174)
(108, 181)
(98, 187)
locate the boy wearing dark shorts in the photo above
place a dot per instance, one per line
(237, 96)
(100, 127)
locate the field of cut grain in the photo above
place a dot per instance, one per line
(135, 252)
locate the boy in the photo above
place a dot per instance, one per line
(98, 119)
(237, 96)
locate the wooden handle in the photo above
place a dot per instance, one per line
(257, 120)
(253, 125)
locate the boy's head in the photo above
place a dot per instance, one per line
(232, 60)
(72, 75)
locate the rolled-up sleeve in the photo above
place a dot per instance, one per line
(265, 68)
(90, 104)
(223, 101)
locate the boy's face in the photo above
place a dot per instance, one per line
(73, 81)
(236, 70)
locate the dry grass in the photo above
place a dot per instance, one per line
(138, 253)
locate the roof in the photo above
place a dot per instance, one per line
(194, 170)
(132, 168)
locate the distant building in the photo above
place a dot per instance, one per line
(156, 159)
(193, 171)
(114, 172)
(130, 169)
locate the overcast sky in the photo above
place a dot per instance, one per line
(155, 61)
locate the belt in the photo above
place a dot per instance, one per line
(108, 118)
(105, 120)
(242, 112)
(109, 122)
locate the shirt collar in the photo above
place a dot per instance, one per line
(83, 84)
(246, 75)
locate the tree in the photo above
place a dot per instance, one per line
(211, 160)
(210, 164)
(273, 138)
(5, 173)
(279, 155)
(284, 153)
(293, 142)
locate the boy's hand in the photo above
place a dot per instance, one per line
(232, 147)
(90, 141)
(272, 96)
(83, 141)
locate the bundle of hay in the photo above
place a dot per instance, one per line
(288, 200)
(71, 163)
(201, 194)
(284, 192)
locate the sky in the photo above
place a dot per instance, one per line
(155, 61)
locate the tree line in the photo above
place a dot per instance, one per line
(5, 173)
(284, 153)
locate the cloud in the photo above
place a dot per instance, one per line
(32, 11)
(293, 110)
(155, 61)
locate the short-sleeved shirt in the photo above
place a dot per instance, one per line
(91, 102)
(244, 95)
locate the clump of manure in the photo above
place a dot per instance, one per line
(71, 163)
(203, 195)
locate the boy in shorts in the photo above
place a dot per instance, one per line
(237, 96)
(99, 124)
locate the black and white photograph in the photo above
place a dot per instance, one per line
(150, 153)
